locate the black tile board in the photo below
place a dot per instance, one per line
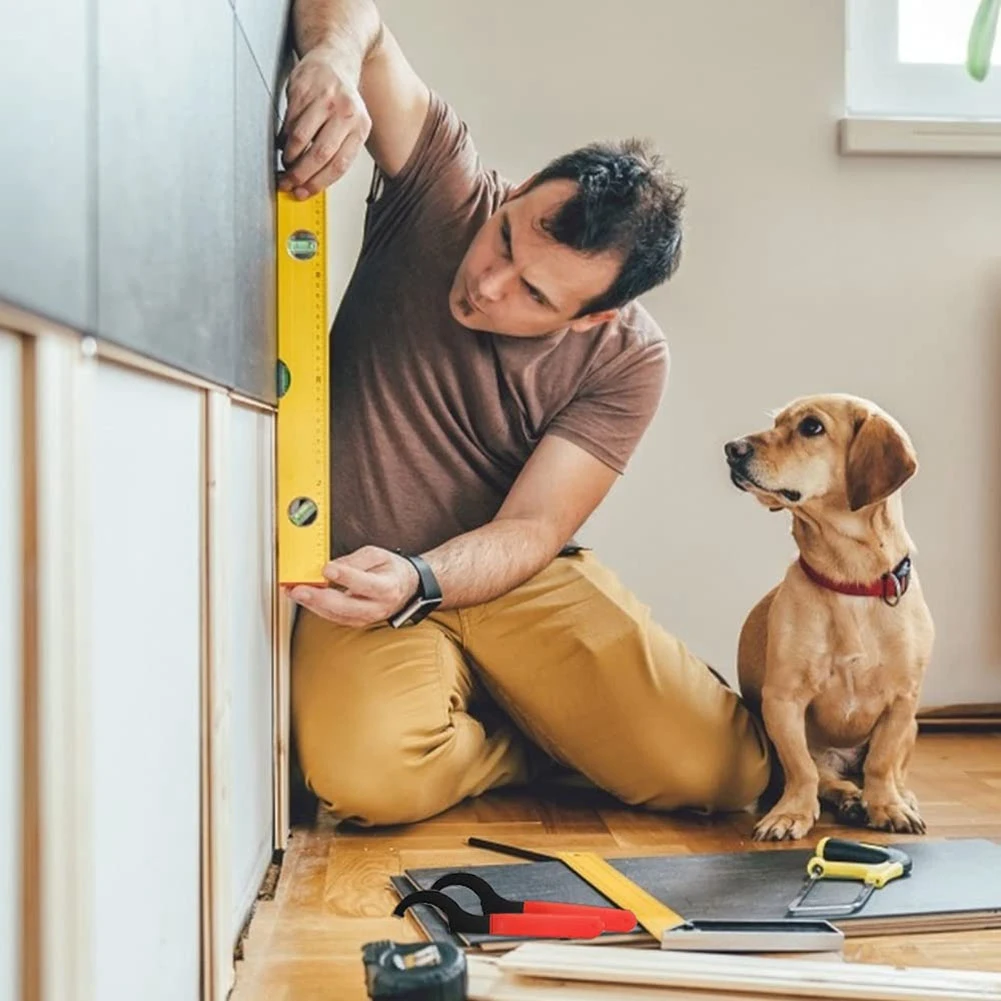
(952, 881)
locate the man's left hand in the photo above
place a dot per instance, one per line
(366, 587)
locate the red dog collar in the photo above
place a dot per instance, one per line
(891, 587)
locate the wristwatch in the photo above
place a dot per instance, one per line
(425, 600)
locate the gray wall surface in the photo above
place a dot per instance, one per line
(137, 176)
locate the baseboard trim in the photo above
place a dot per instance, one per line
(985, 716)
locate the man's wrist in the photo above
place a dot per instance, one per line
(341, 56)
(426, 596)
(345, 51)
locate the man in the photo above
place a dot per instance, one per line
(491, 375)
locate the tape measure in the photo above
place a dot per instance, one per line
(303, 421)
(417, 971)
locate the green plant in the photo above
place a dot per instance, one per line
(981, 43)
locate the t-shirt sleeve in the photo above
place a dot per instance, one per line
(439, 177)
(613, 409)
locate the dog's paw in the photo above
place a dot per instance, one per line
(851, 812)
(787, 822)
(897, 815)
(910, 799)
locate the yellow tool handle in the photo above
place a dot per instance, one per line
(873, 875)
(655, 916)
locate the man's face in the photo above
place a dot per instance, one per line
(517, 280)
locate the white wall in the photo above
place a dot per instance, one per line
(804, 272)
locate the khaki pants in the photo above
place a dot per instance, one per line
(393, 726)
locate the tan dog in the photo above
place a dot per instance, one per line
(833, 658)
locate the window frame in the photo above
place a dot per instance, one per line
(902, 107)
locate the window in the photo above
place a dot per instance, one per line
(907, 59)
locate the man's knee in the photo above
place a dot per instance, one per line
(723, 778)
(371, 781)
(367, 711)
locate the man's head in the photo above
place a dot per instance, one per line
(593, 230)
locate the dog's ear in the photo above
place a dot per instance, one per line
(881, 460)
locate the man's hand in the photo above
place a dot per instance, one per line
(326, 123)
(367, 586)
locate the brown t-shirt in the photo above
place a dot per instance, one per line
(432, 422)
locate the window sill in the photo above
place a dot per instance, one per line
(919, 137)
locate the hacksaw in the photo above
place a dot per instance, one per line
(303, 423)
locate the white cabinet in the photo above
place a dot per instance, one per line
(251, 611)
(146, 511)
(137, 560)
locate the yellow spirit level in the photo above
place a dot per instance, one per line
(303, 431)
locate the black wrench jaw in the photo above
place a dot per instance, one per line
(458, 919)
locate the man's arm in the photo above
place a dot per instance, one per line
(352, 86)
(557, 490)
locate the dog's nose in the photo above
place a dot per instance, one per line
(738, 451)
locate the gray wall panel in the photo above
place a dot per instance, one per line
(256, 125)
(264, 25)
(45, 159)
(166, 181)
(137, 182)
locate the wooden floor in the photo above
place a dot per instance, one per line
(333, 893)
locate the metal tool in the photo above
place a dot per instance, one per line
(782, 935)
(836, 858)
(654, 915)
(517, 924)
(491, 902)
(417, 971)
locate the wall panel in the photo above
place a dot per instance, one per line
(251, 613)
(165, 181)
(46, 152)
(146, 503)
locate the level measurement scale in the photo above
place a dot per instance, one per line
(303, 421)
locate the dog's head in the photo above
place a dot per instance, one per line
(836, 450)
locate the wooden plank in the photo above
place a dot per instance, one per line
(31, 865)
(64, 390)
(750, 974)
(490, 982)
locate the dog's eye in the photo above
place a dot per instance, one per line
(810, 427)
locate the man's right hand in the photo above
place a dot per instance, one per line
(325, 126)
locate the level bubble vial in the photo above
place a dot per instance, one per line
(302, 245)
(302, 511)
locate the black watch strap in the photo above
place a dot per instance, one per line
(427, 598)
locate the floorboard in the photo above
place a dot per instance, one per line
(333, 893)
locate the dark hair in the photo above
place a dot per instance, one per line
(627, 203)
